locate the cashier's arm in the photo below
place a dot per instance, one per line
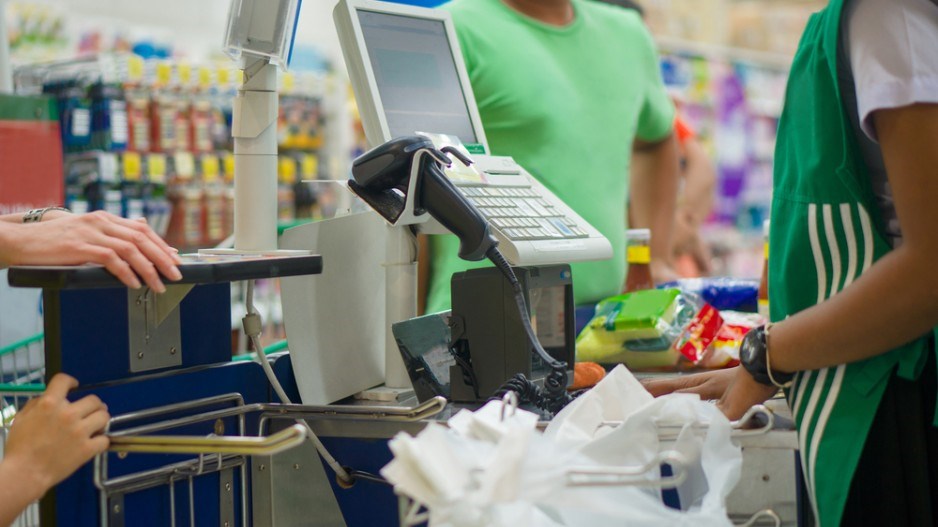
(893, 303)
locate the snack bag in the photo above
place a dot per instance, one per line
(636, 329)
(724, 350)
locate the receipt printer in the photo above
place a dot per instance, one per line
(488, 340)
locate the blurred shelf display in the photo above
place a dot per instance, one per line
(760, 30)
(730, 86)
(766, 59)
(151, 138)
(734, 107)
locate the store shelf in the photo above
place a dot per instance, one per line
(766, 59)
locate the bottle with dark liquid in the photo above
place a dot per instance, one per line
(638, 256)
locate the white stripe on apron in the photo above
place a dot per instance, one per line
(846, 217)
(809, 455)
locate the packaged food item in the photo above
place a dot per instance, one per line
(699, 333)
(723, 293)
(637, 329)
(723, 352)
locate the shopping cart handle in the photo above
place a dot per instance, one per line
(758, 420)
(241, 445)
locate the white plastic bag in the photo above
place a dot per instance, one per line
(493, 468)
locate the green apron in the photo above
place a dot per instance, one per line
(823, 237)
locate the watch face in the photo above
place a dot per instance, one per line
(747, 349)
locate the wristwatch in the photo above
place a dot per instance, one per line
(35, 215)
(752, 355)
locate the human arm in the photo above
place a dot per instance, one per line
(892, 303)
(50, 438)
(50, 214)
(654, 177)
(708, 385)
(126, 248)
(694, 203)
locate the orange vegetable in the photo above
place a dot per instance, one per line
(586, 375)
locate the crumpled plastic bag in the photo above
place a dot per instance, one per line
(493, 468)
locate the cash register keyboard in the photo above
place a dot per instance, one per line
(521, 213)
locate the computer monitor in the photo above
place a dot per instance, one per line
(407, 72)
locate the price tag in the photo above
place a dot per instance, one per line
(228, 163)
(135, 68)
(164, 73)
(184, 71)
(287, 170)
(310, 166)
(205, 77)
(132, 166)
(224, 76)
(156, 168)
(210, 168)
(185, 165)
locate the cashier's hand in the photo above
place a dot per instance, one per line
(127, 248)
(51, 437)
(743, 393)
(710, 385)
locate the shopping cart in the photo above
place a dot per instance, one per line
(22, 370)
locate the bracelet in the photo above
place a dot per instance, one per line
(35, 215)
(768, 363)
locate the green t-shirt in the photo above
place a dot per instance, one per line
(566, 103)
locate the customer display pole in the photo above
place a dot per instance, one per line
(254, 128)
(260, 34)
(6, 70)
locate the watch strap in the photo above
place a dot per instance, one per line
(753, 355)
(35, 215)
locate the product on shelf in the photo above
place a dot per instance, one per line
(109, 124)
(152, 138)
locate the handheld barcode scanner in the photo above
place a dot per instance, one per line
(381, 177)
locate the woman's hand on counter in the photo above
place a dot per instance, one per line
(127, 248)
(709, 385)
(743, 393)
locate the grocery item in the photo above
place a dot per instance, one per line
(638, 256)
(636, 329)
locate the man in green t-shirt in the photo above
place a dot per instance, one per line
(567, 88)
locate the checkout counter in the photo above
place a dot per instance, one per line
(202, 440)
(199, 439)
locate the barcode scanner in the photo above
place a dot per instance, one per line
(381, 177)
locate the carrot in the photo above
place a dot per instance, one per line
(586, 375)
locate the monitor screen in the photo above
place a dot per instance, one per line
(416, 75)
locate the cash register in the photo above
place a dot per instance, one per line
(409, 79)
